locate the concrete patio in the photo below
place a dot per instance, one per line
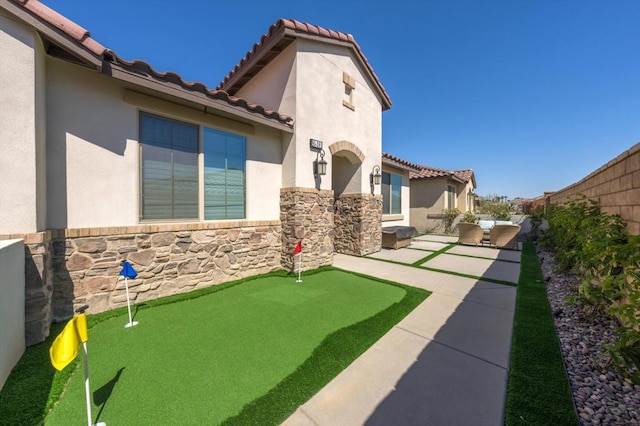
(447, 361)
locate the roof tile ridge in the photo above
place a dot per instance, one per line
(64, 24)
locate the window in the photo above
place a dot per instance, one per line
(224, 175)
(391, 193)
(451, 197)
(170, 171)
(169, 168)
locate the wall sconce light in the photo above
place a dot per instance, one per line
(375, 175)
(320, 166)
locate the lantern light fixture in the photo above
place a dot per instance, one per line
(319, 165)
(376, 177)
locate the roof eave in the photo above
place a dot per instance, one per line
(120, 73)
(54, 35)
(244, 68)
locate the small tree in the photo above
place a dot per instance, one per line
(496, 206)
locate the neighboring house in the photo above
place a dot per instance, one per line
(435, 190)
(104, 160)
(396, 190)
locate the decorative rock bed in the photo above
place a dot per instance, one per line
(601, 397)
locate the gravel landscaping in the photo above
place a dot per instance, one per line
(601, 397)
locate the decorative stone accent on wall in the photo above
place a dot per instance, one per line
(306, 215)
(358, 224)
(68, 268)
(38, 287)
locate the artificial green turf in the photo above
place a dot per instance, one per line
(539, 392)
(33, 385)
(253, 351)
(432, 255)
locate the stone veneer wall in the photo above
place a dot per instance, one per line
(68, 268)
(358, 224)
(38, 248)
(616, 185)
(306, 215)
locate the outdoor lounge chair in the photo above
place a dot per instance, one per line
(469, 233)
(504, 236)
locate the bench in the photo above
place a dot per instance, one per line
(396, 237)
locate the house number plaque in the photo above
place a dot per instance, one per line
(315, 144)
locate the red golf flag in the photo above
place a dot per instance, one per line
(298, 249)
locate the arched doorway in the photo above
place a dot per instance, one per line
(357, 214)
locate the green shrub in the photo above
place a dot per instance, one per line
(597, 246)
(469, 217)
(449, 216)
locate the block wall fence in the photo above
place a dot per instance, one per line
(616, 185)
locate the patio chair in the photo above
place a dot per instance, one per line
(469, 233)
(504, 236)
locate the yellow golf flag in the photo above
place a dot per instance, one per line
(65, 346)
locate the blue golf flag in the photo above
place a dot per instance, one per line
(128, 271)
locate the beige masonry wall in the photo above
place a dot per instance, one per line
(616, 185)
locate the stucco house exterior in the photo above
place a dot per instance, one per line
(104, 160)
(435, 190)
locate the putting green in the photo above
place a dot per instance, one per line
(203, 359)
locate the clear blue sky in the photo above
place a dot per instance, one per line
(533, 95)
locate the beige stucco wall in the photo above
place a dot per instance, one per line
(12, 294)
(92, 150)
(313, 94)
(22, 200)
(462, 196)
(94, 155)
(427, 200)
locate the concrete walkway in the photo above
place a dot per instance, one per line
(446, 363)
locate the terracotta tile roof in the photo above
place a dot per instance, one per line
(82, 38)
(280, 35)
(422, 172)
(397, 161)
(430, 172)
(73, 30)
(464, 175)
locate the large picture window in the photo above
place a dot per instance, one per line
(391, 193)
(169, 168)
(224, 175)
(170, 171)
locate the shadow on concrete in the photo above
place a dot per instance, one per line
(460, 378)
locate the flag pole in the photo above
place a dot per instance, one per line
(128, 272)
(299, 280)
(87, 388)
(131, 323)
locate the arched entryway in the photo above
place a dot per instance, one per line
(357, 215)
